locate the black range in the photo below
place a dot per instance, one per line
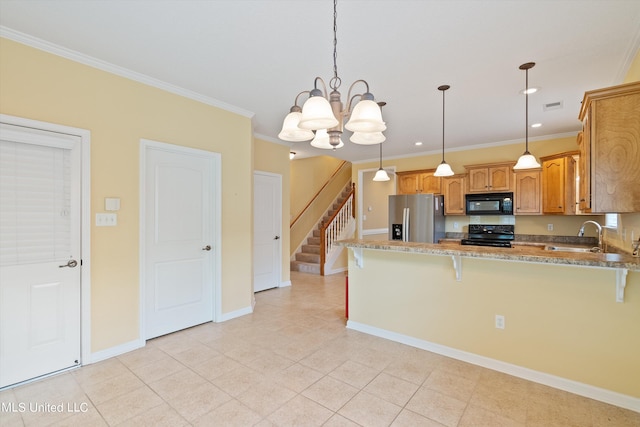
(499, 236)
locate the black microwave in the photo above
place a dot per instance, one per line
(489, 204)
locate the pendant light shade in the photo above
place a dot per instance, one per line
(527, 160)
(443, 168)
(381, 174)
(321, 140)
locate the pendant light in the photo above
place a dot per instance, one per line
(381, 174)
(323, 110)
(527, 160)
(443, 168)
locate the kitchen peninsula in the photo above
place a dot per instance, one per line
(570, 320)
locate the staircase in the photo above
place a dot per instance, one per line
(309, 259)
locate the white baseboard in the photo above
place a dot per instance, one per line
(285, 284)
(328, 272)
(592, 392)
(236, 313)
(108, 353)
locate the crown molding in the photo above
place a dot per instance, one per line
(90, 61)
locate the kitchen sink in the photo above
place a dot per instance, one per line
(571, 249)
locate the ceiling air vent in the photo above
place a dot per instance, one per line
(552, 106)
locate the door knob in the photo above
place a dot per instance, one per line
(72, 263)
(276, 238)
(207, 248)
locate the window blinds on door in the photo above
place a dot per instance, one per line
(35, 203)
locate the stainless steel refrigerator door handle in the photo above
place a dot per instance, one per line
(207, 248)
(71, 264)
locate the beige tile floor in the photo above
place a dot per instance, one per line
(293, 363)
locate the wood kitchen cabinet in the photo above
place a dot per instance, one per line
(528, 194)
(421, 181)
(583, 172)
(558, 184)
(453, 191)
(609, 148)
(494, 177)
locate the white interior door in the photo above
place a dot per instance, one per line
(179, 238)
(267, 224)
(40, 266)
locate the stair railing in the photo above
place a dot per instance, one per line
(332, 229)
(315, 196)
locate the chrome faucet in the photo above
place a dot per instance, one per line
(598, 226)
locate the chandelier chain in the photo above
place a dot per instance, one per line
(335, 81)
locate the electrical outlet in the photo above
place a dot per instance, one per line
(549, 227)
(455, 225)
(106, 220)
(499, 321)
(624, 234)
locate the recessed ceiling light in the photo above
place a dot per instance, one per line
(536, 125)
(530, 90)
(417, 143)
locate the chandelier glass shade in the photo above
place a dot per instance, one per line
(321, 140)
(290, 130)
(443, 168)
(317, 114)
(367, 138)
(323, 110)
(527, 160)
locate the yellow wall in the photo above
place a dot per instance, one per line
(307, 178)
(561, 320)
(274, 158)
(308, 175)
(119, 112)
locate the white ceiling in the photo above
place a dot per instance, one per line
(257, 55)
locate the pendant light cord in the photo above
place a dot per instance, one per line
(443, 126)
(526, 109)
(380, 155)
(443, 88)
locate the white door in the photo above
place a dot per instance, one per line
(179, 238)
(40, 262)
(267, 220)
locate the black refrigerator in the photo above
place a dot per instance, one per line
(416, 218)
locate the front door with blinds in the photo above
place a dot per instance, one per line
(40, 304)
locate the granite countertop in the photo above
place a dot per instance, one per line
(524, 251)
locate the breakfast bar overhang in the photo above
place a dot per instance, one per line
(563, 326)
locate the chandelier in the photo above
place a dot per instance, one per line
(325, 112)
